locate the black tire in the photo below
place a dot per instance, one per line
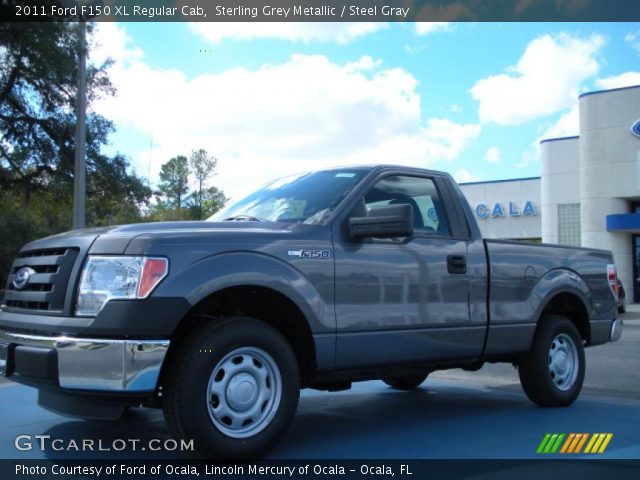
(189, 406)
(553, 339)
(405, 382)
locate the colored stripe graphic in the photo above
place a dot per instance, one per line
(598, 443)
(550, 443)
(571, 439)
(555, 447)
(582, 440)
(543, 443)
(605, 443)
(573, 443)
(594, 437)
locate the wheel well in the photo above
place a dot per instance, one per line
(261, 303)
(570, 306)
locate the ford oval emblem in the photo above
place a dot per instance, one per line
(21, 280)
(635, 128)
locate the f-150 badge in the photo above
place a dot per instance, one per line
(310, 253)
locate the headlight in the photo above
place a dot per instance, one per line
(117, 278)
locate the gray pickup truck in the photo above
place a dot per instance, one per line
(314, 281)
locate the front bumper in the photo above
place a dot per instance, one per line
(84, 364)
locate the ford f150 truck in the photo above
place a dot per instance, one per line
(314, 281)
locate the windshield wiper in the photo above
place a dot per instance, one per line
(242, 218)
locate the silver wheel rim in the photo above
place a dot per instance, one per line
(563, 362)
(244, 392)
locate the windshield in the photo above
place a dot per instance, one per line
(304, 198)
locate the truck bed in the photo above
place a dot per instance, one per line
(524, 275)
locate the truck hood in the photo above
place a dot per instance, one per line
(115, 239)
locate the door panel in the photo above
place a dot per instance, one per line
(400, 286)
(396, 300)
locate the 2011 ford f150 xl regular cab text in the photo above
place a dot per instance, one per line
(314, 281)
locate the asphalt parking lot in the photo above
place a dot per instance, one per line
(454, 414)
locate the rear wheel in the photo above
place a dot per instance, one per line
(233, 387)
(405, 382)
(552, 373)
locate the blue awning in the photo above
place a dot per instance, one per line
(624, 222)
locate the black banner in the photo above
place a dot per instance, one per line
(321, 10)
(316, 469)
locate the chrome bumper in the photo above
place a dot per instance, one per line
(95, 364)
(616, 331)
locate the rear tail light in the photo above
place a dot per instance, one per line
(612, 277)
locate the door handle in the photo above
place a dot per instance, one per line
(456, 264)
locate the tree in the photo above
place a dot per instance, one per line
(38, 90)
(203, 167)
(174, 182)
(213, 200)
(38, 71)
(173, 201)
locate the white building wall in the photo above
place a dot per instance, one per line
(518, 193)
(609, 171)
(560, 182)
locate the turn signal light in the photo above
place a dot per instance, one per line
(153, 271)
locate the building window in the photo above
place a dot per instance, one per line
(569, 224)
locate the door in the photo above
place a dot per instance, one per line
(402, 300)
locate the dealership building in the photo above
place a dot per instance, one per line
(588, 193)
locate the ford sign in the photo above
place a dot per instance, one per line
(21, 279)
(635, 128)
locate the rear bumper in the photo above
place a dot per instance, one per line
(82, 364)
(603, 331)
(616, 330)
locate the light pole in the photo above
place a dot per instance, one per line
(79, 178)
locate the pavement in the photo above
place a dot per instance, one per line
(453, 415)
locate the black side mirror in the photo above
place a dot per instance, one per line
(384, 222)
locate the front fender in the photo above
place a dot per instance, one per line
(198, 280)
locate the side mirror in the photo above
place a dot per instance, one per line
(385, 222)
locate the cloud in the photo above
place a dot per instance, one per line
(425, 28)
(568, 125)
(493, 155)
(626, 79)
(465, 176)
(340, 32)
(415, 49)
(546, 79)
(633, 39)
(110, 41)
(305, 113)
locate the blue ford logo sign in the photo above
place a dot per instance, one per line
(635, 128)
(21, 280)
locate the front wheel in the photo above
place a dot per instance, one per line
(552, 373)
(233, 388)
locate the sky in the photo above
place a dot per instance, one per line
(272, 99)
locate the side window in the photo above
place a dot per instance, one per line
(420, 193)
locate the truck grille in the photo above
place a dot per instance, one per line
(47, 286)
